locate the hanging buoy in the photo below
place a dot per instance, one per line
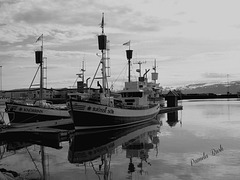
(102, 42)
(38, 56)
(129, 54)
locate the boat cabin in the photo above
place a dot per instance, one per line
(133, 95)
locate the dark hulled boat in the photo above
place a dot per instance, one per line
(35, 111)
(22, 112)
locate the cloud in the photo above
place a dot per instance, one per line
(23, 19)
(147, 24)
(57, 12)
(159, 30)
(66, 21)
(17, 53)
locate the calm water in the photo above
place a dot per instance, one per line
(203, 144)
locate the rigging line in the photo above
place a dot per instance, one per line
(34, 162)
(95, 74)
(34, 78)
(124, 68)
(95, 171)
(75, 82)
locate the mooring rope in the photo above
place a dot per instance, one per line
(34, 162)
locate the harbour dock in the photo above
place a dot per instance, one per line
(48, 133)
(170, 109)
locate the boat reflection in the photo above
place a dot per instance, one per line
(139, 147)
(136, 140)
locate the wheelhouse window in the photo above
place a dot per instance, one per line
(132, 94)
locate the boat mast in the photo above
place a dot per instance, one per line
(102, 43)
(81, 74)
(39, 60)
(41, 73)
(155, 74)
(1, 79)
(129, 57)
(83, 70)
(41, 97)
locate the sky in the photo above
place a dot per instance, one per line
(192, 41)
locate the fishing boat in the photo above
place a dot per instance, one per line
(35, 110)
(101, 109)
(153, 89)
(23, 112)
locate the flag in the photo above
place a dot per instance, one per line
(126, 43)
(39, 38)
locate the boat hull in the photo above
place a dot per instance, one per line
(86, 114)
(20, 113)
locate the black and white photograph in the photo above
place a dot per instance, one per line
(114, 90)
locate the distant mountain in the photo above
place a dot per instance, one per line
(233, 87)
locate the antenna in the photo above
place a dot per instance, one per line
(140, 64)
(155, 66)
(81, 74)
(102, 23)
(155, 74)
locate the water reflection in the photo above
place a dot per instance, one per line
(172, 119)
(98, 146)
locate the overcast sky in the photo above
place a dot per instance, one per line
(193, 41)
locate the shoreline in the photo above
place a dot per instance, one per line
(207, 96)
